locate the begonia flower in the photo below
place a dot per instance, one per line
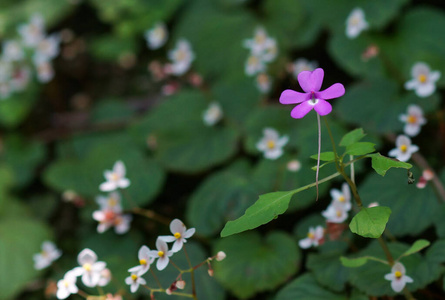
(342, 197)
(398, 277)
(157, 36)
(414, 120)
(134, 280)
(162, 254)
(271, 144)
(113, 201)
(181, 57)
(312, 98)
(45, 71)
(254, 65)
(180, 234)
(213, 114)
(115, 178)
(90, 269)
(424, 80)
(145, 260)
(294, 165)
(32, 32)
(315, 237)
(47, 48)
(48, 254)
(356, 23)
(259, 43)
(263, 83)
(335, 213)
(404, 148)
(12, 51)
(67, 285)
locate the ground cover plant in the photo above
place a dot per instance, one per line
(225, 149)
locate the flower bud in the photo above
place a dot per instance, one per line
(220, 255)
(180, 284)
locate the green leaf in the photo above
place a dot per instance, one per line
(353, 262)
(381, 164)
(416, 247)
(360, 148)
(328, 270)
(324, 156)
(370, 222)
(306, 287)
(254, 264)
(265, 209)
(352, 137)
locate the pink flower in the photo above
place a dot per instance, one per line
(312, 98)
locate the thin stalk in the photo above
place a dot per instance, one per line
(319, 151)
(83, 294)
(156, 278)
(192, 273)
(351, 157)
(148, 213)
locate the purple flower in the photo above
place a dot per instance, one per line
(313, 98)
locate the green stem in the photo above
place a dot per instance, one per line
(192, 273)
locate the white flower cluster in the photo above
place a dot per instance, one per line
(15, 66)
(93, 273)
(146, 257)
(263, 50)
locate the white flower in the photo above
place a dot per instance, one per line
(355, 23)
(49, 254)
(109, 217)
(157, 36)
(182, 57)
(122, 223)
(335, 213)
(343, 198)
(162, 253)
(294, 165)
(67, 285)
(424, 80)
(414, 120)
(398, 278)
(105, 277)
(314, 238)
(180, 234)
(263, 83)
(260, 42)
(404, 148)
(302, 64)
(115, 178)
(270, 51)
(45, 71)
(254, 65)
(113, 202)
(47, 48)
(12, 51)
(20, 78)
(221, 255)
(33, 32)
(134, 280)
(90, 269)
(145, 260)
(213, 114)
(271, 143)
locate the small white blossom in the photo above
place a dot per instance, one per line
(90, 269)
(162, 254)
(134, 280)
(271, 143)
(294, 165)
(315, 237)
(181, 57)
(48, 254)
(47, 48)
(254, 65)
(180, 284)
(33, 32)
(343, 197)
(180, 234)
(145, 260)
(404, 148)
(112, 201)
(115, 178)
(157, 36)
(45, 71)
(260, 42)
(270, 51)
(221, 255)
(424, 80)
(12, 51)
(67, 285)
(398, 277)
(263, 83)
(414, 120)
(356, 23)
(105, 277)
(335, 213)
(213, 114)
(112, 218)
(302, 64)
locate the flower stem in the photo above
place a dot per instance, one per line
(148, 213)
(156, 278)
(83, 294)
(319, 151)
(192, 273)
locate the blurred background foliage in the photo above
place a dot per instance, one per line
(104, 105)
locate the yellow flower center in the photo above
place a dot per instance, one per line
(341, 198)
(412, 119)
(270, 144)
(263, 79)
(260, 38)
(355, 21)
(177, 235)
(181, 55)
(114, 176)
(253, 60)
(339, 213)
(403, 148)
(143, 261)
(422, 78)
(66, 283)
(112, 202)
(398, 274)
(87, 267)
(134, 277)
(161, 253)
(311, 235)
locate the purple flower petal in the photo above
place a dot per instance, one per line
(334, 91)
(292, 97)
(311, 81)
(323, 107)
(301, 110)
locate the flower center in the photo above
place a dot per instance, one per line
(263, 79)
(112, 202)
(66, 283)
(412, 119)
(177, 235)
(114, 177)
(270, 144)
(134, 277)
(87, 267)
(253, 60)
(355, 21)
(339, 213)
(422, 78)
(398, 274)
(161, 253)
(403, 148)
(143, 261)
(260, 38)
(311, 235)
(313, 101)
(181, 55)
(341, 198)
